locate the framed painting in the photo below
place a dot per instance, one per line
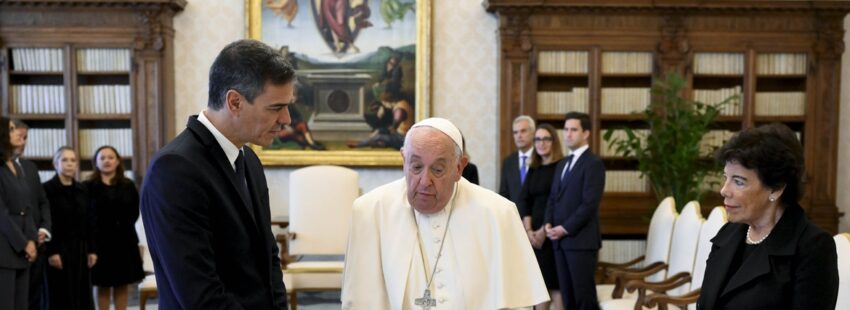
(363, 75)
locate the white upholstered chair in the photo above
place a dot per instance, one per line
(147, 288)
(842, 246)
(712, 225)
(657, 249)
(683, 249)
(320, 201)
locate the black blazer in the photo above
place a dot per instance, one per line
(470, 173)
(16, 225)
(575, 204)
(795, 268)
(509, 186)
(211, 249)
(41, 206)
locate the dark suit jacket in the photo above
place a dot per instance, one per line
(509, 186)
(470, 173)
(41, 206)
(575, 204)
(795, 268)
(211, 249)
(16, 226)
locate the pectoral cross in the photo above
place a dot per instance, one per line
(426, 302)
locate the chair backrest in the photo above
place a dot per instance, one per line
(147, 261)
(683, 245)
(716, 220)
(842, 246)
(320, 200)
(659, 235)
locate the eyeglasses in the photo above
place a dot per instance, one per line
(543, 139)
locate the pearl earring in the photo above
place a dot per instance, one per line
(772, 199)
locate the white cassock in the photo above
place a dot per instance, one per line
(487, 261)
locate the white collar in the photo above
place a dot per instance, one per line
(527, 154)
(578, 152)
(230, 149)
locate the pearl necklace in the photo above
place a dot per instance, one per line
(754, 242)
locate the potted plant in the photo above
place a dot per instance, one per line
(669, 152)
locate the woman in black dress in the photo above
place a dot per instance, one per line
(532, 206)
(71, 253)
(115, 200)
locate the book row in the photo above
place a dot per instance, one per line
(37, 59)
(108, 99)
(550, 102)
(576, 62)
(713, 96)
(92, 139)
(627, 62)
(781, 64)
(719, 63)
(624, 100)
(625, 181)
(43, 142)
(103, 59)
(780, 103)
(562, 62)
(37, 99)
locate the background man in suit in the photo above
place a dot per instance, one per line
(515, 166)
(205, 202)
(572, 219)
(41, 217)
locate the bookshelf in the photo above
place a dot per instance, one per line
(87, 74)
(783, 64)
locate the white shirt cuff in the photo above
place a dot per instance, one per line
(46, 232)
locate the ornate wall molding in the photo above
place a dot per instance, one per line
(515, 31)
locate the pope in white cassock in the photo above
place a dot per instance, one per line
(432, 240)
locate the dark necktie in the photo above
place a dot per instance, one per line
(567, 169)
(242, 182)
(19, 167)
(522, 168)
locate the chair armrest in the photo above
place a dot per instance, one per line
(662, 300)
(283, 240)
(660, 286)
(623, 276)
(657, 287)
(603, 268)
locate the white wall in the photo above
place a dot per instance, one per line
(465, 69)
(465, 78)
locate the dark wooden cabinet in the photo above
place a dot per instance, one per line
(98, 72)
(779, 53)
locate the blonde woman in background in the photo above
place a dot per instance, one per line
(71, 253)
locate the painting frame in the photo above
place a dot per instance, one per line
(354, 157)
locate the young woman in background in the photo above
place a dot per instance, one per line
(115, 200)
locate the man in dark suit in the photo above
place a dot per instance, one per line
(41, 217)
(572, 218)
(205, 202)
(515, 166)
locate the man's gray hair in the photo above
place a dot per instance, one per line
(527, 119)
(407, 141)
